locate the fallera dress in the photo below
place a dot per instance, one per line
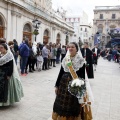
(11, 90)
(66, 106)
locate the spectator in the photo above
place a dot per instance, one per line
(11, 45)
(45, 57)
(39, 61)
(16, 51)
(63, 52)
(30, 58)
(53, 55)
(58, 54)
(24, 53)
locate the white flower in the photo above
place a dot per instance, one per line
(82, 82)
(77, 82)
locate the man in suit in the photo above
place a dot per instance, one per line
(87, 54)
(96, 54)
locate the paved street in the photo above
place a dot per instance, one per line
(39, 95)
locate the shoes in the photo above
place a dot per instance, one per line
(31, 71)
(23, 74)
(54, 66)
(26, 72)
(39, 70)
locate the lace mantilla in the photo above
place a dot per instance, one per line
(77, 63)
(6, 58)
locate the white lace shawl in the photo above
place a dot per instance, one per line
(77, 63)
(6, 58)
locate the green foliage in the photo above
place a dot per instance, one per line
(35, 32)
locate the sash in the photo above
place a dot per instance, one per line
(86, 104)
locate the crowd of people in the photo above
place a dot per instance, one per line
(111, 54)
(36, 56)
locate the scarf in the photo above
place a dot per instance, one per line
(77, 62)
(6, 58)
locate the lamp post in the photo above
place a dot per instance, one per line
(66, 38)
(36, 25)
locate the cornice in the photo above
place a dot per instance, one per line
(38, 12)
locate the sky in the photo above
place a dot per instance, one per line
(76, 6)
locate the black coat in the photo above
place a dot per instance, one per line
(89, 61)
(5, 70)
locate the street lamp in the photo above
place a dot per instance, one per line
(36, 25)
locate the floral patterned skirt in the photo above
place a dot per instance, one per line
(66, 106)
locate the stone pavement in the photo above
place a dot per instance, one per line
(39, 95)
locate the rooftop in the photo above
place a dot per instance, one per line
(107, 7)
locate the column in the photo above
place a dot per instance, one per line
(9, 35)
(14, 26)
(51, 36)
(19, 28)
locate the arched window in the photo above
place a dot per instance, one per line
(46, 37)
(100, 28)
(1, 28)
(46, 33)
(1, 22)
(58, 39)
(27, 31)
(27, 28)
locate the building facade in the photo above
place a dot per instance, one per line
(105, 19)
(82, 30)
(16, 18)
(86, 33)
(75, 22)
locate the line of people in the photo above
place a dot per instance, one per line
(36, 56)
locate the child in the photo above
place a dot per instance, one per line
(39, 61)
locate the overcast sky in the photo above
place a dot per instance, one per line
(75, 6)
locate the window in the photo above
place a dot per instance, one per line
(113, 16)
(100, 28)
(85, 29)
(101, 16)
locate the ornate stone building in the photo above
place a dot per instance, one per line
(105, 19)
(16, 18)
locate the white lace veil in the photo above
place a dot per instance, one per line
(15, 70)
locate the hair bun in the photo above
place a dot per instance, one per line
(2, 40)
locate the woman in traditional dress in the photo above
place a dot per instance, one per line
(10, 86)
(66, 106)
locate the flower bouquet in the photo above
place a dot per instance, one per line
(77, 87)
